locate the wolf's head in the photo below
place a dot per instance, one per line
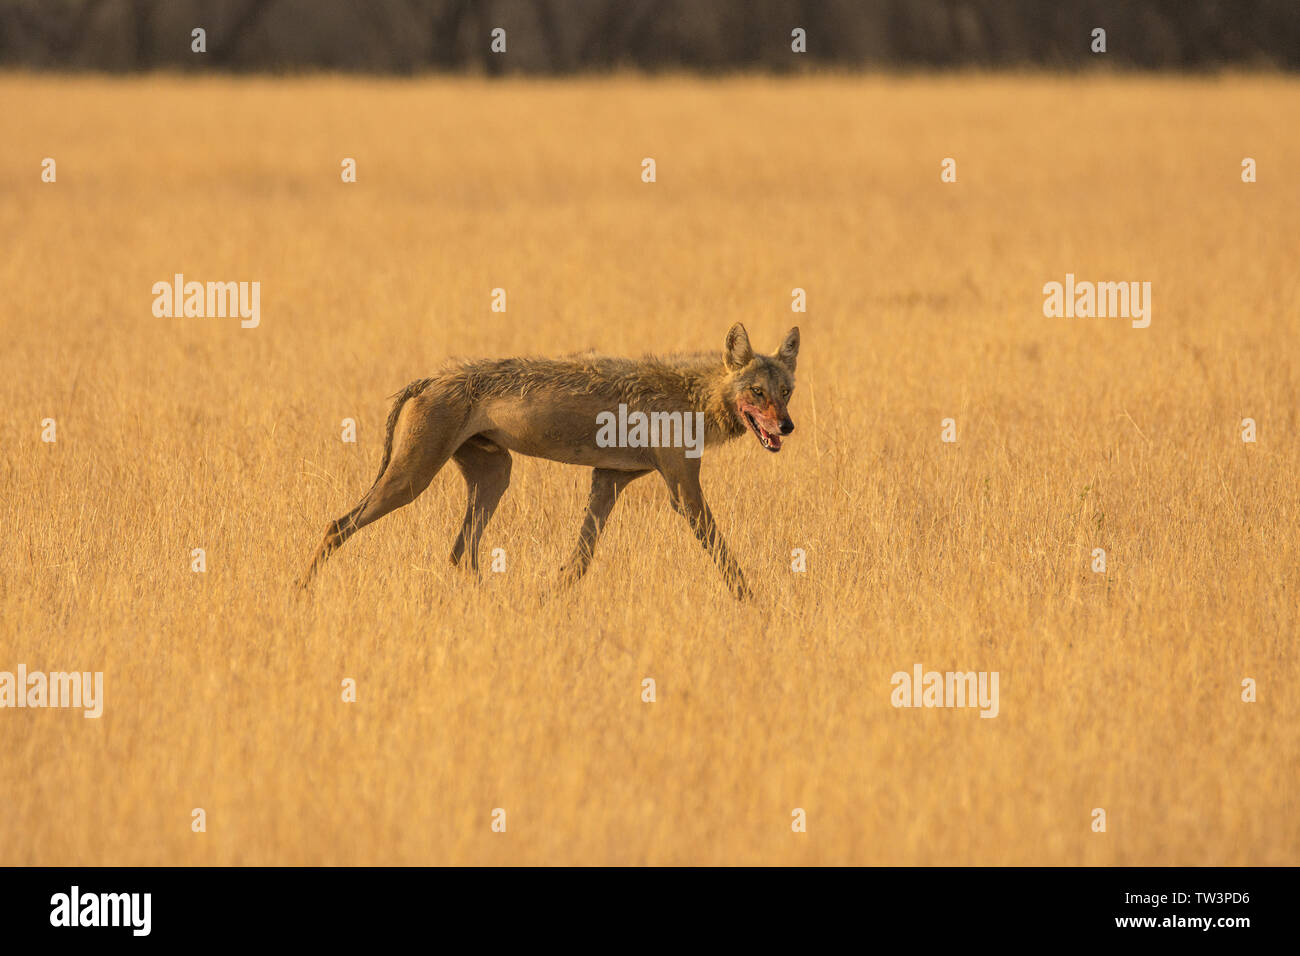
(758, 387)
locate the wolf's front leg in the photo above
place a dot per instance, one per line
(706, 529)
(688, 501)
(606, 486)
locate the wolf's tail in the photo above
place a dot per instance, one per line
(400, 399)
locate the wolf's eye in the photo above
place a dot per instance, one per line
(785, 393)
(756, 390)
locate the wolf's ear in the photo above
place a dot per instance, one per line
(738, 353)
(789, 349)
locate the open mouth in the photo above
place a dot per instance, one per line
(769, 440)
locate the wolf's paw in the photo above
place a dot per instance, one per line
(467, 568)
(569, 576)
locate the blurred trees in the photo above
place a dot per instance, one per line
(560, 36)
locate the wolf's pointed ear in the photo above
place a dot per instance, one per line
(789, 350)
(738, 353)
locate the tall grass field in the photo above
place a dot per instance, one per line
(138, 448)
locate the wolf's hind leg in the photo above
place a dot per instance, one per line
(422, 444)
(605, 488)
(486, 467)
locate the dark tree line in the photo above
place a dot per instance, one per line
(561, 36)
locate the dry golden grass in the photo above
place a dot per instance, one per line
(223, 689)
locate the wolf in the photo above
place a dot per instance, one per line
(477, 412)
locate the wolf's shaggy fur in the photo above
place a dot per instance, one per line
(476, 412)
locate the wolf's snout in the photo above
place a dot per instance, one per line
(787, 427)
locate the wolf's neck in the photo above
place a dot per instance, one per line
(720, 422)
